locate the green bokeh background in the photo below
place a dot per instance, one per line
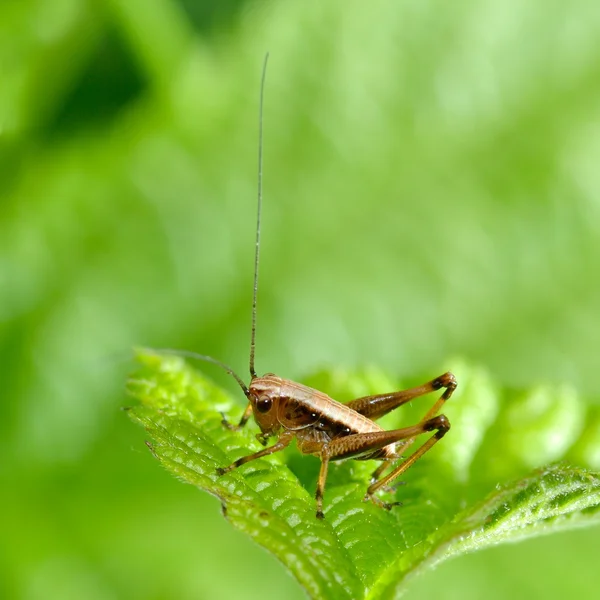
(431, 190)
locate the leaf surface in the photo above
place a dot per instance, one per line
(493, 479)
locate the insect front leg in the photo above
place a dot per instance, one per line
(283, 441)
(247, 414)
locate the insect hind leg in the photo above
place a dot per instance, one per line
(390, 489)
(376, 406)
(441, 426)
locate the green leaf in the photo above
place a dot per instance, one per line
(475, 489)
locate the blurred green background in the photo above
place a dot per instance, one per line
(431, 190)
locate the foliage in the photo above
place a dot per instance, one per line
(451, 504)
(431, 189)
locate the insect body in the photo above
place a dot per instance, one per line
(324, 427)
(334, 431)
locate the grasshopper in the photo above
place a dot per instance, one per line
(323, 427)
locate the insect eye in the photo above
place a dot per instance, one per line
(263, 405)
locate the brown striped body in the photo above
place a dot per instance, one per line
(313, 417)
(334, 431)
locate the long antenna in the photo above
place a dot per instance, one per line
(210, 359)
(257, 250)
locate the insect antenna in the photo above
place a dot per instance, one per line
(203, 357)
(210, 359)
(258, 213)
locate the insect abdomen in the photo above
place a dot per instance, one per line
(326, 411)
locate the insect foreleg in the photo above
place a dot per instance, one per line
(376, 406)
(247, 414)
(283, 441)
(439, 423)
